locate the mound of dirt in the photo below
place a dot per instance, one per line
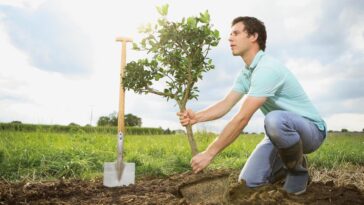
(211, 187)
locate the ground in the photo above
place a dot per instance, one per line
(344, 186)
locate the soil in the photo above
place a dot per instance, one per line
(210, 187)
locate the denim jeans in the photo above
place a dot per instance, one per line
(282, 129)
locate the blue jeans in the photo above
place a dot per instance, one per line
(284, 130)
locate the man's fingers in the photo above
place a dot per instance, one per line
(183, 115)
(196, 169)
(185, 122)
(189, 112)
(184, 118)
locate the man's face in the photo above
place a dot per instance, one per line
(239, 40)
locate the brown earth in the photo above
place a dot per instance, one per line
(211, 187)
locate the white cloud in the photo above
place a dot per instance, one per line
(312, 75)
(348, 121)
(26, 4)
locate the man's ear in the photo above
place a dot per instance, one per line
(254, 37)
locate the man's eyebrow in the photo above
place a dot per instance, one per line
(236, 31)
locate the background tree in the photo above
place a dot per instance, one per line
(103, 121)
(178, 58)
(112, 120)
(344, 130)
(73, 124)
(132, 121)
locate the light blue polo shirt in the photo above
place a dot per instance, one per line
(266, 77)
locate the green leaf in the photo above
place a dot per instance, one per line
(163, 10)
(205, 17)
(216, 34)
(142, 43)
(158, 76)
(162, 21)
(191, 22)
(136, 47)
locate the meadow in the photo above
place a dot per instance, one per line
(38, 156)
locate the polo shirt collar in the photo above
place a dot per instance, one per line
(256, 60)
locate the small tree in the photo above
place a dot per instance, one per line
(73, 124)
(103, 121)
(132, 120)
(178, 52)
(344, 130)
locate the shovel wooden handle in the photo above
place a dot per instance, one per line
(121, 121)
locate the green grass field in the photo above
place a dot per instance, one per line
(43, 156)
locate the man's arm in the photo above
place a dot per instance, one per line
(220, 108)
(229, 133)
(215, 111)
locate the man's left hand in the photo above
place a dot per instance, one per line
(200, 161)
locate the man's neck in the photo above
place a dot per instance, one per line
(248, 57)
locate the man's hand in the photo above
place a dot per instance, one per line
(200, 161)
(188, 117)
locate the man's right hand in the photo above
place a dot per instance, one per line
(188, 117)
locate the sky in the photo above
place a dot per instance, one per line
(59, 61)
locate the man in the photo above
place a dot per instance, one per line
(292, 124)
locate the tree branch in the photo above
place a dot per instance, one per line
(207, 51)
(154, 91)
(189, 84)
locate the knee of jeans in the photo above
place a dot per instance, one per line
(251, 181)
(273, 125)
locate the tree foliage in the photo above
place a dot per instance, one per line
(178, 56)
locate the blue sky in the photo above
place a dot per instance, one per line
(60, 62)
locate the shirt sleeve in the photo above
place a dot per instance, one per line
(239, 84)
(265, 82)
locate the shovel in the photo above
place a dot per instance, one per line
(120, 173)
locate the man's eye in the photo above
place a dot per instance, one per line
(235, 33)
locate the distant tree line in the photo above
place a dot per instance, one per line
(74, 128)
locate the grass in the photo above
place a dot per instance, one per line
(43, 156)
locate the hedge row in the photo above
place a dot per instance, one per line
(75, 128)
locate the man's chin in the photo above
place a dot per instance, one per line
(235, 54)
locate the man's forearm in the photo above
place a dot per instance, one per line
(214, 112)
(231, 131)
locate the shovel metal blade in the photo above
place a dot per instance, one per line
(111, 178)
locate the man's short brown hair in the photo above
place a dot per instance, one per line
(253, 25)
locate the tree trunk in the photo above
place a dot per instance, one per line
(190, 137)
(191, 140)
